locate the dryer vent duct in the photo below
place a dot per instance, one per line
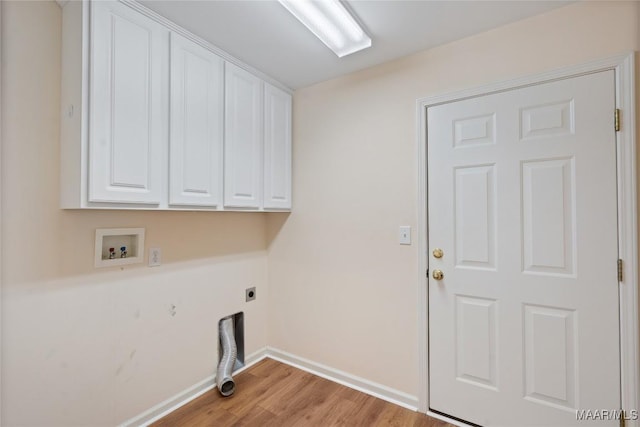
(229, 329)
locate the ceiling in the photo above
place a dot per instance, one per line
(266, 36)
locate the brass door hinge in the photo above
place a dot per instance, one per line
(619, 270)
(616, 119)
(622, 418)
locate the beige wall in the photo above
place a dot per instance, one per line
(95, 347)
(343, 293)
(82, 346)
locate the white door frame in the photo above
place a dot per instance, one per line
(624, 68)
(1, 261)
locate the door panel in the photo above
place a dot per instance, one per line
(475, 216)
(196, 124)
(476, 333)
(277, 148)
(243, 138)
(548, 216)
(128, 95)
(523, 328)
(550, 375)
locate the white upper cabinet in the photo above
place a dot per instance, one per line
(128, 94)
(196, 122)
(277, 148)
(154, 117)
(242, 138)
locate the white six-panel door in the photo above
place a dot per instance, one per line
(196, 117)
(523, 327)
(127, 100)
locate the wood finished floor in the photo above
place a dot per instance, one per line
(271, 393)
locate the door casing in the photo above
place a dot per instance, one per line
(624, 67)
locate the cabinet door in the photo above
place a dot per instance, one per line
(127, 115)
(195, 165)
(243, 139)
(277, 148)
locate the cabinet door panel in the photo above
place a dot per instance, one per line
(243, 139)
(128, 88)
(277, 148)
(196, 124)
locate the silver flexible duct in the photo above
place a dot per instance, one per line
(225, 383)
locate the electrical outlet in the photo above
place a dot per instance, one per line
(155, 257)
(250, 294)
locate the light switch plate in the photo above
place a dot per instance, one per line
(404, 238)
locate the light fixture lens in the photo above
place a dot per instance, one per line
(331, 23)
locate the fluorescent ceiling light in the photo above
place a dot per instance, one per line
(331, 23)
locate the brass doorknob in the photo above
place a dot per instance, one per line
(437, 274)
(438, 253)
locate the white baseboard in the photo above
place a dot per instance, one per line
(369, 387)
(164, 408)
